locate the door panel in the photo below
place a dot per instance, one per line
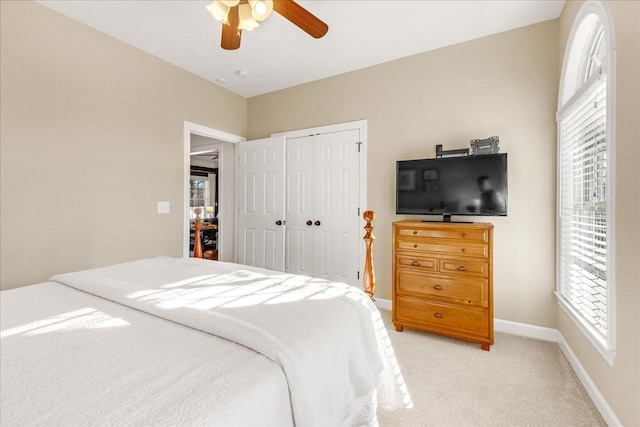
(337, 196)
(248, 241)
(261, 203)
(299, 206)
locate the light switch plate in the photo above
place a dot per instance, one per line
(164, 207)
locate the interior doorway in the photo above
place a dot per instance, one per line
(209, 183)
(204, 201)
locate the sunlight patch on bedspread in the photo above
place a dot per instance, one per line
(241, 289)
(84, 318)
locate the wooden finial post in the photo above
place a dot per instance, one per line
(197, 244)
(369, 278)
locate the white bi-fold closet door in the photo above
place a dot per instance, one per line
(322, 237)
(260, 197)
(299, 205)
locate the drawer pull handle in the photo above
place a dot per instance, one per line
(462, 268)
(415, 264)
(415, 246)
(437, 287)
(463, 235)
(438, 315)
(415, 232)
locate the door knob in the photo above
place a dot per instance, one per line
(278, 222)
(317, 222)
(309, 222)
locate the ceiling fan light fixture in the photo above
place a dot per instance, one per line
(246, 20)
(261, 9)
(219, 11)
(245, 14)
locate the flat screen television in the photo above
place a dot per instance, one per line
(469, 185)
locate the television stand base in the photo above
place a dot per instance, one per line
(452, 222)
(446, 217)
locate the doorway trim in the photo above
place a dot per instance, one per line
(196, 129)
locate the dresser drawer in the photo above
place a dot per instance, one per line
(465, 290)
(481, 236)
(464, 266)
(416, 263)
(442, 315)
(445, 248)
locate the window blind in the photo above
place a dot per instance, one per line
(583, 213)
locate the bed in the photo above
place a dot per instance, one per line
(175, 341)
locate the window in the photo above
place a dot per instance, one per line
(585, 170)
(199, 195)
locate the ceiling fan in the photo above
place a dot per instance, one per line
(239, 15)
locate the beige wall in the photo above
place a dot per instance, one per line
(619, 384)
(503, 85)
(91, 137)
(82, 113)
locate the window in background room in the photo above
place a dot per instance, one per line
(199, 195)
(585, 170)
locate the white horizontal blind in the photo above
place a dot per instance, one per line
(583, 221)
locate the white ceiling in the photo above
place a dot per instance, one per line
(279, 55)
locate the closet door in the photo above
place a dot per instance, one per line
(336, 221)
(299, 207)
(260, 198)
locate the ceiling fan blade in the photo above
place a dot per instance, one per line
(301, 17)
(231, 35)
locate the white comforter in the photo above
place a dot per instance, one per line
(327, 337)
(68, 358)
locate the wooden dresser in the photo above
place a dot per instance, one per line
(443, 279)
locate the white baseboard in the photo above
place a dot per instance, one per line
(554, 335)
(383, 303)
(598, 399)
(525, 330)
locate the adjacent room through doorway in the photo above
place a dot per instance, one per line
(209, 181)
(204, 196)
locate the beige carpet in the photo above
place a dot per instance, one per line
(520, 382)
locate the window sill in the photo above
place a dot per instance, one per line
(608, 354)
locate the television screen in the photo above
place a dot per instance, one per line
(470, 185)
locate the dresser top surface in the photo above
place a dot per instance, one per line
(442, 225)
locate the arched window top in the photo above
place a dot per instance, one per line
(595, 51)
(588, 50)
